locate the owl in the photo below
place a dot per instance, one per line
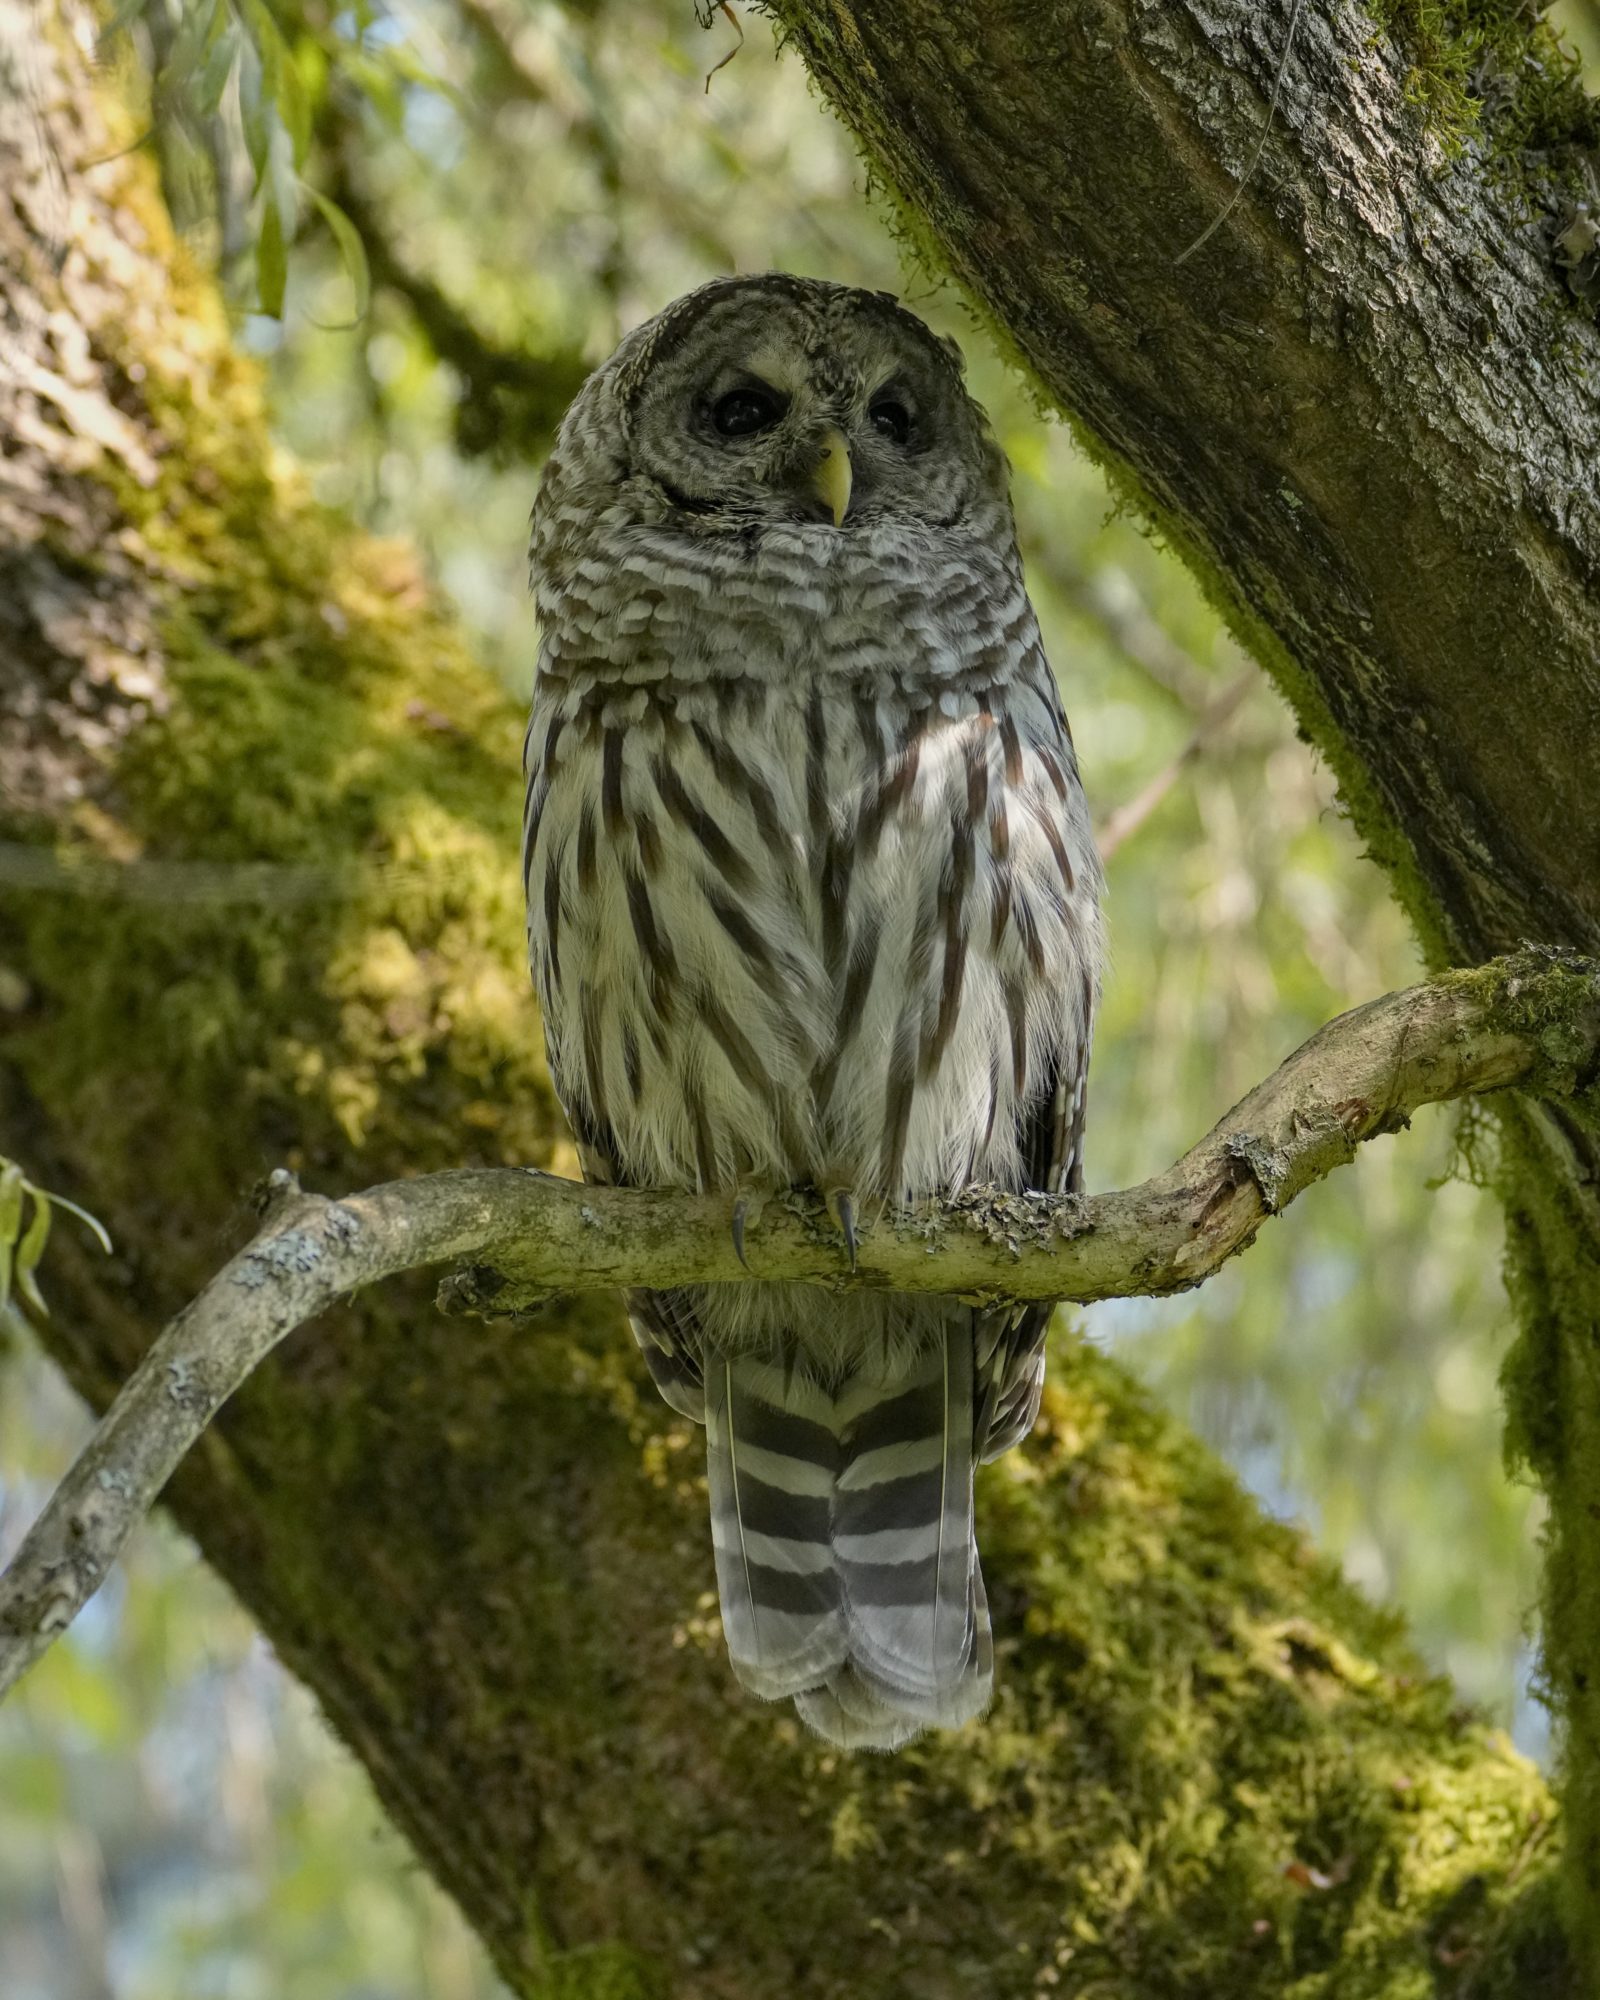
(812, 901)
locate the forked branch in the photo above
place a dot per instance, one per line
(1531, 1021)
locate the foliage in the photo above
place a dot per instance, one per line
(26, 1213)
(228, 62)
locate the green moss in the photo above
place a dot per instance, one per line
(1210, 1770)
(1553, 1417)
(593, 1972)
(323, 719)
(1496, 68)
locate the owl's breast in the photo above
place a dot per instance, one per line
(654, 615)
(826, 929)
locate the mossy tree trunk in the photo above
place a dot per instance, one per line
(1365, 408)
(1211, 1770)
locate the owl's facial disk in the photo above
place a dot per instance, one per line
(777, 405)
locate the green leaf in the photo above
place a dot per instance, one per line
(272, 259)
(313, 68)
(96, 1227)
(197, 29)
(256, 110)
(220, 59)
(31, 1249)
(12, 1185)
(351, 249)
(281, 83)
(21, 1250)
(294, 105)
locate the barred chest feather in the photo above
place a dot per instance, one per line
(805, 911)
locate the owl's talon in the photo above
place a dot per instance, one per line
(841, 1207)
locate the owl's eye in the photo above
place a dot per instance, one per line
(744, 412)
(891, 418)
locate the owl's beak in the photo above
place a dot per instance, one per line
(830, 476)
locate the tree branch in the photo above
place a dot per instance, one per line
(1532, 1020)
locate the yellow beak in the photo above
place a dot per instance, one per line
(830, 476)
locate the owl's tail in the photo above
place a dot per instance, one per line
(846, 1562)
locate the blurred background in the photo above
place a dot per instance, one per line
(526, 182)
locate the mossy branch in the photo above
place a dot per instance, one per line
(1531, 1020)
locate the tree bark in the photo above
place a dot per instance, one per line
(1211, 1769)
(1364, 409)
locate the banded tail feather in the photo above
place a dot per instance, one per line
(842, 1523)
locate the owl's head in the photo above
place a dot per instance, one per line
(773, 400)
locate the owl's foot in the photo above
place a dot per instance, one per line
(746, 1209)
(841, 1207)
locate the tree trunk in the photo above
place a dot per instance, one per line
(1365, 410)
(1211, 1770)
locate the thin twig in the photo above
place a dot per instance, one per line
(1128, 819)
(721, 7)
(1532, 1020)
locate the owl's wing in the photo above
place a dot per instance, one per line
(664, 1324)
(1010, 1341)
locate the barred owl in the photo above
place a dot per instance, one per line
(812, 899)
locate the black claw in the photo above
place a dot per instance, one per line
(845, 1209)
(741, 1209)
